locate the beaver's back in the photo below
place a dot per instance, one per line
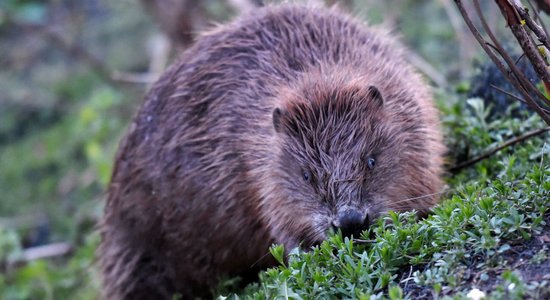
(236, 70)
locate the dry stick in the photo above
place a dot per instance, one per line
(507, 93)
(486, 47)
(508, 143)
(540, 32)
(523, 84)
(538, 18)
(539, 63)
(544, 5)
(526, 84)
(514, 80)
(519, 59)
(46, 251)
(514, 96)
(481, 40)
(514, 20)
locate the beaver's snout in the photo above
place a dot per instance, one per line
(351, 222)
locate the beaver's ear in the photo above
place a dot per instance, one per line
(376, 96)
(278, 119)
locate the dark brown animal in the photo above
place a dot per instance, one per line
(273, 129)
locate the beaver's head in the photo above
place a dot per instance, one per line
(345, 155)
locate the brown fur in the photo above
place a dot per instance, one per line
(262, 134)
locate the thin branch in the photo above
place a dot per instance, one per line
(538, 18)
(537, 30)
(489, 153)
(487, 48)
(546, 111)
(518, 80)
(46, 251)
(515, 17)
(543, 5)
(519, 59)
(479, 38)
(508, 93)
(361, 241)
(523, 82)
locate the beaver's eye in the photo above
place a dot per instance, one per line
(371, 162)
(307, 176)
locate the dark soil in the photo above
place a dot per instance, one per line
(529, 259)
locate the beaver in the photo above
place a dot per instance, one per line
(279, 127)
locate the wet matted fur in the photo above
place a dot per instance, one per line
(271, 129)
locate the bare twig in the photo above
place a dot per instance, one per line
(530, 88)
(516, 17)
(538, 18)
(518, 74)
(544, 5)
(537, 30)
(46, 251)
(510, 10)
(487, 47)
(489, 153)
(360, 241)
(508, 93)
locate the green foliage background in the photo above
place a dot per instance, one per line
(61, 119)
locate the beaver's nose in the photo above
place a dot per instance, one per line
(351, 222)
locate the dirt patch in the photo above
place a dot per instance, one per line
(529, 259)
